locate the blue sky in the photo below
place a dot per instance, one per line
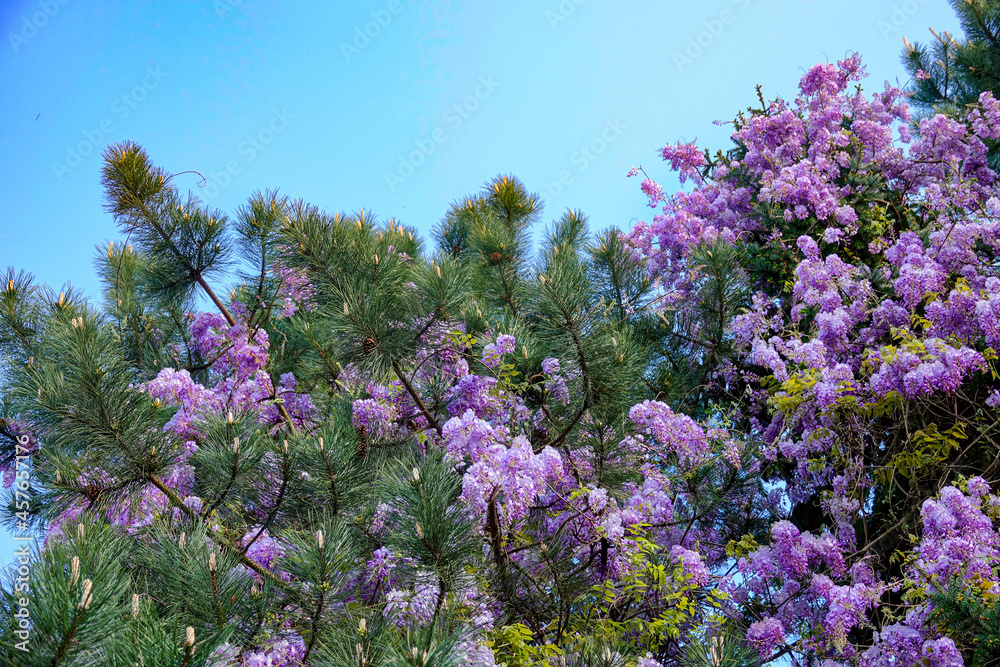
(395, 106)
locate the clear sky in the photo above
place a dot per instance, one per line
(395, 106)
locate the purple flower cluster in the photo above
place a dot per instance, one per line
(686, 159)
(377, 416)
(516, 473)
(286, 651)
(691, 564)
(493, 351)
(294, 290)
(766, 635)
(958, 539)
(795, 576)
(408, 607)
(677, 432)
(241, 382)
(555, 383)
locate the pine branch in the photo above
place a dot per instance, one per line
(285, 472)
(333, 483)
(222, 541)
(68, 638)
(982, 25)
(288, 419)
(215, 597)
(314, 627)
(211, 507)
(193, 272)
(431, 421)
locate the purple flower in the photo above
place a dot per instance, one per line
(492, 352)
(766, 635)
(288, 651)
(691, 564)
(679, 433)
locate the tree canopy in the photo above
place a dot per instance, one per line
(760, 427)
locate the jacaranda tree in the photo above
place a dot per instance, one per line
(760, 427)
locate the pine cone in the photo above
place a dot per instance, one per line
(92, 492)
(361, 449)
(368, 345)
(495, 257)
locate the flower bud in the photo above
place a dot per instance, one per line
(189, 638)
(319, 538)
(416, 475)
(321, 443)
(236, 445)
(211, 562)
(74, 571)
(135, 605)
(420, 531)
(181, 542)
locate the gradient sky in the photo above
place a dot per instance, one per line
(395, 106)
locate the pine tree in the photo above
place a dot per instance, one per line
(280, 477)
(949, 74)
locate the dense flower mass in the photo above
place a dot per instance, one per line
(880, 297)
